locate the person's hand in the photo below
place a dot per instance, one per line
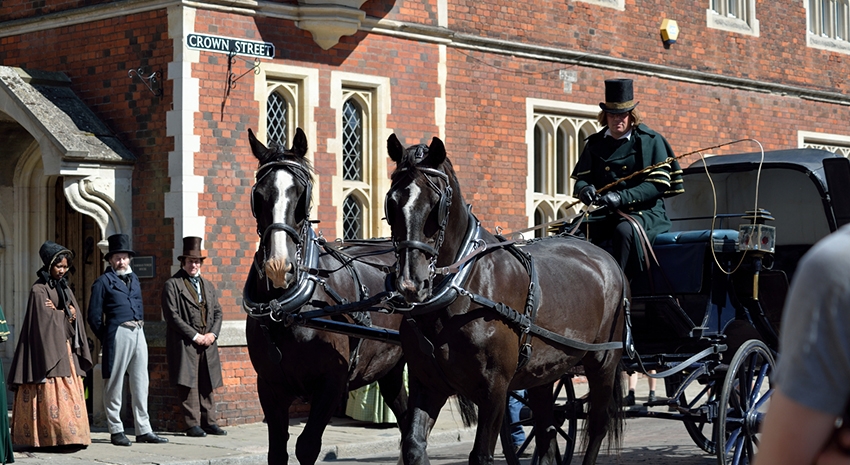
(73, 312)
(587, 195)
(611, 200)
(49, 304)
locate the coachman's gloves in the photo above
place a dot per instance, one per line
(611, 200)
(587, 195)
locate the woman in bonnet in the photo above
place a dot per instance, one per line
(50, 360)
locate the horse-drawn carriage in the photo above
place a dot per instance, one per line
(482, 315)
(708, 316)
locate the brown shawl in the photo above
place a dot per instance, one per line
(41, 352)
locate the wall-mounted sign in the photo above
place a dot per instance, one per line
(230, 45)
(144, 267)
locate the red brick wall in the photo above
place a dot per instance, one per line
(236, 401)
(17, 9)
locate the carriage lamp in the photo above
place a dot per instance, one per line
(669, 31)
(757, 238)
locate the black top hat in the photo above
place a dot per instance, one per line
(50, 250)
(118, 243)
(192, 248)
(619, 96)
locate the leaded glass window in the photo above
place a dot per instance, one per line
(352, 213)
(276, 119)
(352, 139)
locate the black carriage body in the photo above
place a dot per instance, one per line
(693, 300)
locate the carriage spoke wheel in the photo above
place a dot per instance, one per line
(743, 403)
(567, 410)
(701, 430)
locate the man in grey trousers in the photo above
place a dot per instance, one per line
(116, 317)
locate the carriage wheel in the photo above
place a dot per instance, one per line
(743, 403)
(701, 430)
(567, 409)
(511, 455)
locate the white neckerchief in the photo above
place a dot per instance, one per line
(624, 136)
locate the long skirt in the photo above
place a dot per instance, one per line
(6, 453)
(52, 413)
(367, 404)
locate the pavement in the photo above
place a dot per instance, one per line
(248, 444)
(344, 438)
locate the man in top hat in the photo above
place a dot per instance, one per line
(632, 207)
(622, 148)
(193, 320)
(116, 317)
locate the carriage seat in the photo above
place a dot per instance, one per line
(723, 240)
(681, 256)
(673, 307)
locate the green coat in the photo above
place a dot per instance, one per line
(603, 162)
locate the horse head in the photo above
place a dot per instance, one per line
(280, 201)
(423, 195)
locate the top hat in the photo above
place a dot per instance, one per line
(619, 96)
(118, 243)
(50, 250)
(192, 248)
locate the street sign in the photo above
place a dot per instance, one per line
(230, 45)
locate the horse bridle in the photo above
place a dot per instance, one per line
(298, 237)
(443, 207)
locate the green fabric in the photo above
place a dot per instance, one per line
(6, 455)
(605, 161)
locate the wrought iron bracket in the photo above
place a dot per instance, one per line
(149, 80)
(232, 78)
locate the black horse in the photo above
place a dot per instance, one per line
(294, 272)
(464, 334)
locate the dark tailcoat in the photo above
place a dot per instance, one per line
(604, 161)
(183, 319)
(112, 302)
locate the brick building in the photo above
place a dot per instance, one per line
(130, 116)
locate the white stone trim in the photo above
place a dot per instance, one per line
(616, 4)
(714, 20)
(181, 203)
(380, 110)
(534, 106)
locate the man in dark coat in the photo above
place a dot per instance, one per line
(622, 148)
(193, 320)
(116, 317)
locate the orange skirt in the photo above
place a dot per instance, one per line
(52, 413)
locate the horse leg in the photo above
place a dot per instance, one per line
(541, 401)
(491, 412)
(323, 404)
(604, 416)
(423, 408)
(394, 391)
(276, 409)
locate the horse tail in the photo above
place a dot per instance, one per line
(616, 413)
(468, 411)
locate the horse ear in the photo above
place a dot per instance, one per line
(260, 150)
(395, 149)
(436, 152)
(299, 144)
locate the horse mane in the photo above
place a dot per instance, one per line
(412, 157)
